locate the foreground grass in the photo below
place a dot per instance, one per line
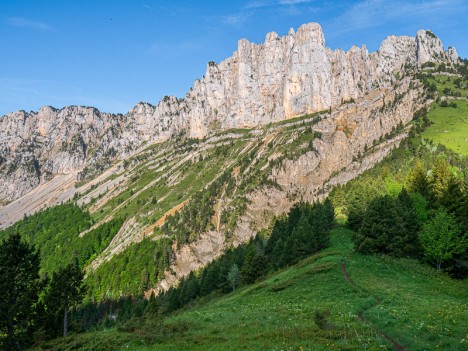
(312, 307)
(450, 126)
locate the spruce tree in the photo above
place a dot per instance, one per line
(421, 207)
(192, 287)
(19, 289)
(406, 242)
(356, 212)
(257, 269)
(453, 198)
(250, 253)
(209, 281)
(439, 180)
(381, 225)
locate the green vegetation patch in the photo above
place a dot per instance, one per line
(308, 307)
(55, 232)
(449, 126)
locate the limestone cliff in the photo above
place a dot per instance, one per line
(260, 83)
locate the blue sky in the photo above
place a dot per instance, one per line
(113, 53)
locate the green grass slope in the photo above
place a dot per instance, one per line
(450, 126)
(312, 306)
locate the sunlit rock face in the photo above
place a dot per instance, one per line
(282, 78)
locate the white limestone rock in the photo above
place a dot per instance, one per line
(285, 77)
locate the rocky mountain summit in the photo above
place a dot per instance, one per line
(282, 78)
(275, 124)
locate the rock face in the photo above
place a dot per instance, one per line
(260, 83)
(363, 127)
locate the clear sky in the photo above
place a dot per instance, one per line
(113, 53)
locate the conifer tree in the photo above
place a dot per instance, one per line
(406, 242)
(209, 281)
(381, 225)
(144, 280)
(439, 180)
(417, 181)
(453, 198)
(304, 241)
(191, 288)
(19, 285)
(154, 306)
(247, 265)
(421, 205)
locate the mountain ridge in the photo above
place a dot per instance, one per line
(354, 108)
(260, 83)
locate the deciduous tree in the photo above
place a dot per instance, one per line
(65, 290)
(234, 276)
(441, 238)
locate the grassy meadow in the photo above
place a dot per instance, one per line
(450, 126)
(311, 306)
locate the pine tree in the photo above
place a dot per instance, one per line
(19, 285)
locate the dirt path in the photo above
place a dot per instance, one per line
(361, 317)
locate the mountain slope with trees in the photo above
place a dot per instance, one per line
(238, 214)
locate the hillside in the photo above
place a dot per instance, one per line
(163, 210)
(450, 120)
(313, 306)
(227, 187)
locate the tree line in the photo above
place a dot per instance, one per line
(427, 220)
(56, 232)
(304, 231)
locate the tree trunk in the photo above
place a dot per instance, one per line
(438, 265)
(65, 321)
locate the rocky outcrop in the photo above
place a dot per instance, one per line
(260, 83)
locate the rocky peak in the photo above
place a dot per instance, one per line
(429, 47)
(452, 54)
(310, 33)
(283, 78)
